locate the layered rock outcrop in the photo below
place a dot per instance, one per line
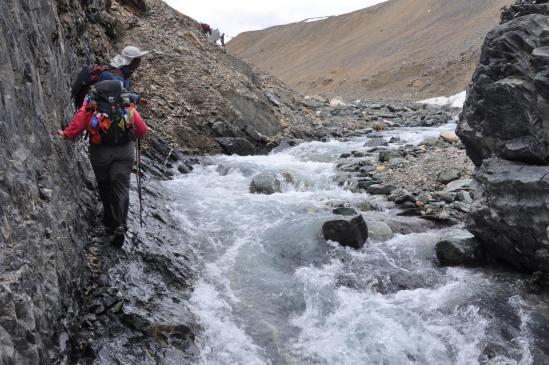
(46, 199)
(505, 128)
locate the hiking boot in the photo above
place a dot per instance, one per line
(119, 235)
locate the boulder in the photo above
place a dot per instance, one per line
(352, 233)
(448, 175)
(458, 185)
(388, 155)
(460, 252)
(223, 129)
(464, 197)
(266, 183)
(443, 196)
(402, 196)
(375, 142)
(429, 141)
(506, 114)
(236, 146)
(381, 189)
(504, 127)
(379, 231)
(449, 136)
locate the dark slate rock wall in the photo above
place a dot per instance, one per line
(46, 189)
(505, 129)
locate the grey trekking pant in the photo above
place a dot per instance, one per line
(112, 166)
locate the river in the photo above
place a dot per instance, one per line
(271, 290)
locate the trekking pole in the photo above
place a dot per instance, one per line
(138, 179)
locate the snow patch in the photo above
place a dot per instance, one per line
(455, 101)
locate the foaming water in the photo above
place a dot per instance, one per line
(272, 291)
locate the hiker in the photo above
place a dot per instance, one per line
(113, 124)
(206, 29)
(121, 68)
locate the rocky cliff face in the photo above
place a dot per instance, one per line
(46, 201)
(65, 295)
(505, 128)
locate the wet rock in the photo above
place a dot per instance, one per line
(449, 175)
(266, 183)
(365, 184)
(388, 155)
(409, 212)
(375, 142)
(236, 146)
(352, 233)
(184, 169)
(379, 231)
(345, 211)
(364, 206)
(460, 252)
(381, 189)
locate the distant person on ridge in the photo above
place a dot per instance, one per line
(121, 68)
(113, 124)
(206, 29)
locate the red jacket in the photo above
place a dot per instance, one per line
(81, 120)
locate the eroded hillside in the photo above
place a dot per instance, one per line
(401, 49)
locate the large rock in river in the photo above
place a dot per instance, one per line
(352, 233)
(505, 129)
(460, 251)
(266, 183)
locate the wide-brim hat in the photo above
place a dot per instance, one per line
(127, 55)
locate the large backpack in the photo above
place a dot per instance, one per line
(89, 75)
(112, 119)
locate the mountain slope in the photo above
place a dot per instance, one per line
(401, 49)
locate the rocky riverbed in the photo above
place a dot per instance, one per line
(274, 286)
